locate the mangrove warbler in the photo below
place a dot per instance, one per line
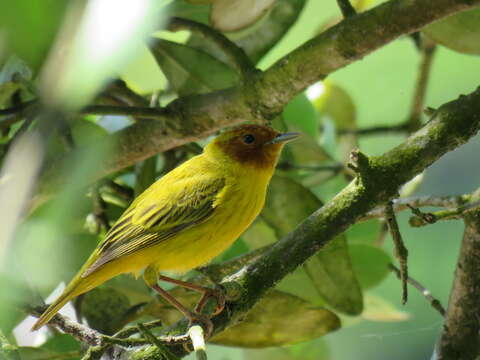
(187, 217)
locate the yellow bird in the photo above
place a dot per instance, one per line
(187, 217)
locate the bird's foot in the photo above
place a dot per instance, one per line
(202, 320)
(219, 296)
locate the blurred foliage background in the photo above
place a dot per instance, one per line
(347, 282)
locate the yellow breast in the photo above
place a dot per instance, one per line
(237, 206)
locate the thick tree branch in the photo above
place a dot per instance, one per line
(264, 96)
(459, 339)
(451, 126)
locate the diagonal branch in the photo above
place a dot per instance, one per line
(264, 96)
(451, 126)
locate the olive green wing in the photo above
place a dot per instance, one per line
(155, 217)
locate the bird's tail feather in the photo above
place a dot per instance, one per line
(52, 310)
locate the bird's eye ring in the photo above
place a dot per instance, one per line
(249, 139)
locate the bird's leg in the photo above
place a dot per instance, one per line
(150, 277)
(206, 293)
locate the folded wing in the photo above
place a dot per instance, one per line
(158, 215)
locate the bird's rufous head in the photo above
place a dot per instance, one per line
(255, 145)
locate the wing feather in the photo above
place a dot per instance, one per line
(150, 220)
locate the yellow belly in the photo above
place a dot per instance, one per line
(200, 244)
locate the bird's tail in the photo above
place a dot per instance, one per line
(53, 309)
(76, 287)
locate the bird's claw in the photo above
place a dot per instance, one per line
(218, 294)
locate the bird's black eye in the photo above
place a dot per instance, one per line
(248, 139)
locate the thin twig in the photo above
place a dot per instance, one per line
(422, 219)
(428, 51)
(436, 304)
(99, 210)
(401, 252)
(119, 90)
(17, 108)
(346, 8)
(136, 111)
(167, 355)
(376, 130)
(418, 201)
(235, 54)
(285, 165)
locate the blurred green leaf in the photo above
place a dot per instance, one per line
(61, 343)
(30, 27)
(330, 270)
(335, 104)
(301, 113)
(280, 19)
(279, 319)
(340, 289)
(282, 211)
(255, 41)
(239, 247)
(259, 234)
(104, 308)
(39, 353)
(370, 264)
(379, 309)
(306, 150)
(10, 83)
(187, 10)
(7, 89)
(364, 232)
(311, 350)
(13, 297)
(459, 32)
(300, 284)
(84, 132)
(235, 15)
(191, 77)
(145, 174)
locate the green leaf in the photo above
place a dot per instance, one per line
(341, 288)
(257, 40)
(335, 104)
(145, 174)
(187, 10)
(30, 27)
(9, 85)
(61, 343)
(235, 15)
(35, 353)
(280, 19)
(312, 350)
(365, 232)
(301, 113)
(239, 247)
(370, 264)
(259, 234)
(279, 319)
(330, 270)
(283, 211)
(191, 77)
(84, 132)
(379, 309)
(104, 308)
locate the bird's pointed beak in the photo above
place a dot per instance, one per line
(284, 138)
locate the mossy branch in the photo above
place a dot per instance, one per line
(266, 93)
(451, 126)
(459, 338)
